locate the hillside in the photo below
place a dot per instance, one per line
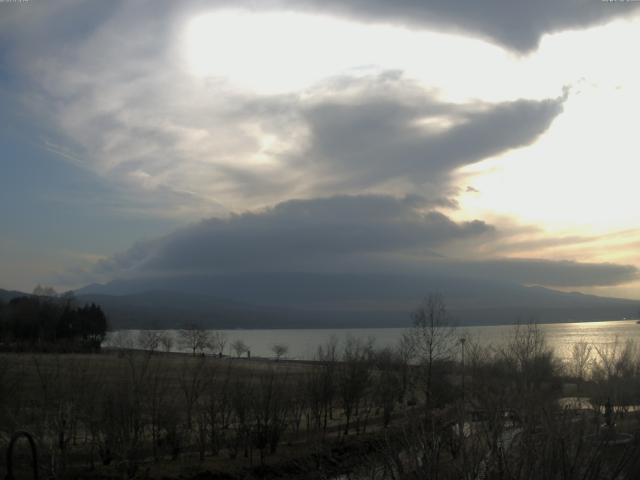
(301, 300)
(298, 300)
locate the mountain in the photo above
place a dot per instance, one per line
(6, 295)
(306, 300)
(164, 309)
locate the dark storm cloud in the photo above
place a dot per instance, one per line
(298, 233)
(345, 234)
(517, 25)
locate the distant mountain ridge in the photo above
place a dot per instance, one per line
(6, 295)
(311, 300)
(305, 300)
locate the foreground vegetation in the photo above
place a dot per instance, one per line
(435, 406)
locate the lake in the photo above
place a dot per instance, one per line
(303, 343)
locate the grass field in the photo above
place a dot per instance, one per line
(174, 413)
(132, 414)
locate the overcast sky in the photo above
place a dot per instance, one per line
(478, 138)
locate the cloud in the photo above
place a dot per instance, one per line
(373, 131)
(300, 234)
(111, 84)
(122, 105)
(346, 234)
(514, 25)
(170, 136)
(549, 273)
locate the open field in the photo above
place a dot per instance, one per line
(164, 412)
(367, 413)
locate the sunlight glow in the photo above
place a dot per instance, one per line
(582, 176)
(282, 52)
(579, 178)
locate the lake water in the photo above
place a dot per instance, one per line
(303, 343)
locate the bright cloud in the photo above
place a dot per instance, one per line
(514, 116)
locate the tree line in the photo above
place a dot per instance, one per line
(47, 321)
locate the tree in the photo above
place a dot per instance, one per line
(529, 356)
(217, 342)
(239, 347)
(354, 377)
(405, 352)
(581, 359)
(42, 320)
(280, 350)
(387, 381)
(149, 340)
(94, 324)
(42, 291)
(193, 380)
(166, 340)
(322, 383)
(121, 340)
(195, 338)
(270, 404)
(433, 338)
(614, 370)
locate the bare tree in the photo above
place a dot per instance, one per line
(322, 383)
(121, 340)
(433, 336)
(149, 340)
(217, 407)
(387, 381)
(581, 359)
(217, 343)
(280, 350)
(529, 355)
(405, 352)
(166, 340)
(614, 370)
(44, 291)
(269, 409)
(239, 347)
(195, 338)
(193, 381)
(354, 375)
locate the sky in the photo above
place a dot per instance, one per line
(492, 138)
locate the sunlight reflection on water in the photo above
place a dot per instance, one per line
(303, 343)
